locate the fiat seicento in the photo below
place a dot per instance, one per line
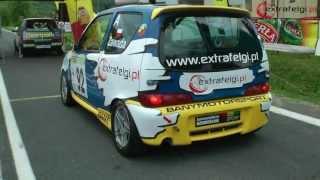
(169, 74)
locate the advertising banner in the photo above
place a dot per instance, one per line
(301, 32)
(216, 2)
(284, 8)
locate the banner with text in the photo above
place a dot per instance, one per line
(301, 32)
(284, 9)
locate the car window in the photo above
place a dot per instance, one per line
(41, 24)
(93, 37)
(123, 29)
(183, 33)
(205, 43)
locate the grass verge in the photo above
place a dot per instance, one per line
(295, 76)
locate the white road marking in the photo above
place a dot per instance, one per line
(20, 156)
(35, 98)
(1, 177)
(296, 116)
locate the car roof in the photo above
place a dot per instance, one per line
(157, 9)
(30, 19)
(131, 8)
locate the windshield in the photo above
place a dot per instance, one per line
(42, 25)
(208, 43)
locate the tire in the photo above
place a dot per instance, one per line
(15, 46)
(124, 132)
(21, 51)
(65, 91)
(59, 51)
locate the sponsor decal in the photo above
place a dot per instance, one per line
(121, 44)
(205, 83)
(195, 85)
(243, 58)
(142, 29)
(102, 72)
(267, 32)
(187, 107)
(104, 115)
(104, 68)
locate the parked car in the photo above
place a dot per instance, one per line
(38, 34)
(169, 74)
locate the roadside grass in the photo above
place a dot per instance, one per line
(295, 76)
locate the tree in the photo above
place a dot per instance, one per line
(100, 5)
(19, 10)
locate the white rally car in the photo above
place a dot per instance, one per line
(169, 74)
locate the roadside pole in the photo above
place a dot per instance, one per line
(317, 52)
(1, 50)
(1, 178)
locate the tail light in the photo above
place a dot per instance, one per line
(257, 89)
(165, 99)
(25, 36)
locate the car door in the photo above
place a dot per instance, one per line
(85, 58)
(118, 69)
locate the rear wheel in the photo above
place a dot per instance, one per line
(21, 51)
(15, 46)
(59, 51)
(125, 135)
(65, 91)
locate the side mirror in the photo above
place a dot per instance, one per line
(15, 29)
(118, 34)
(75, 46)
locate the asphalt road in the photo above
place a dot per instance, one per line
(69, 143)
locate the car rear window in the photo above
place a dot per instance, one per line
(208, 43)
(39, 24)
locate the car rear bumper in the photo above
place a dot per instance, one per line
(42, 46)
(177, 124)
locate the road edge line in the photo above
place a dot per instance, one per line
(296, 116)
(20, 156)
(34, 98)
(1, 177)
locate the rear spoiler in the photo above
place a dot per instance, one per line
(228, 11)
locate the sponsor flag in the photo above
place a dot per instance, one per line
(220, 3)
(223, 3)
(80, 14)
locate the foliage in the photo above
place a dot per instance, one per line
(12, 12)
(100, 5)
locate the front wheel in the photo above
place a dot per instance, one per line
(21, 51)
(125, 135)
(65, 91)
